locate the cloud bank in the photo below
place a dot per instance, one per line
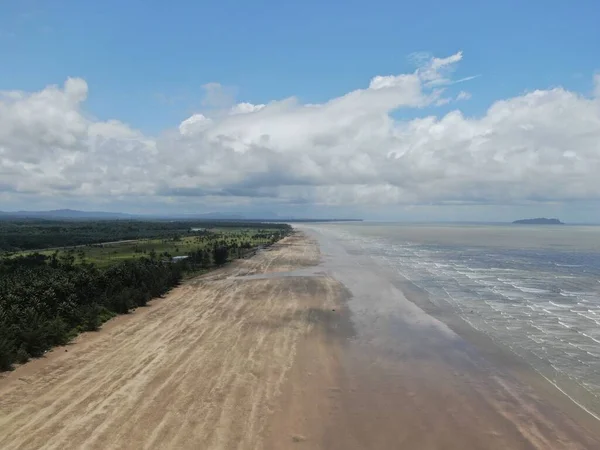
(540, 146)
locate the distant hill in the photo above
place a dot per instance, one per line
(73, 214)
(539, 221)
(63, 214)
(76, 214)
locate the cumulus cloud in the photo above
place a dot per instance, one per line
(194, 124)
(244, 108)
(543, 145)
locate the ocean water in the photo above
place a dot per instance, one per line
(534, 289)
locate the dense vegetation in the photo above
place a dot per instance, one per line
(46, 299)
(34, 234)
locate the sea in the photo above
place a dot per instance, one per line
(533, 289)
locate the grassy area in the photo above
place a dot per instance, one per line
(35, 234)
(105, 255)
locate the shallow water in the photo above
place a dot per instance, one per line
(533, 289)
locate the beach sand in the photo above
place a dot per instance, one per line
(293, 348)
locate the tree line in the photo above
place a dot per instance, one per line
(46, 301)
(38, 234)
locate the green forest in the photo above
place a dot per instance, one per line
(47, 298)
(36, 234)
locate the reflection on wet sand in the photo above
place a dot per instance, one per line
(405, 379)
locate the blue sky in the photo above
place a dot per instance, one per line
(146, 62)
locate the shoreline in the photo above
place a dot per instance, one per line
(416, 363)
(300, 346)
(499, 354)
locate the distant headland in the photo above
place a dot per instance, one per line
(539, 221)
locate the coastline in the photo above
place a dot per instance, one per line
(497, 351)
(500, 355)
(411, 362)
(301, 346)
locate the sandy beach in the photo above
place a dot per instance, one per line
(302, 346)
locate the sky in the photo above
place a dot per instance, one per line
(385, 110)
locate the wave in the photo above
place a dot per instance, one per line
(526, 301)
(531, 290)
(558, 305)
(590, 337)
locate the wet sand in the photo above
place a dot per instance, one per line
(293, 348)
(408, 380)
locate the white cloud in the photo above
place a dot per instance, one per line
(464, 79)
(348, 151)
(435, 71)
(463, 95)
(194, 124)
(245, 108)
(439, 63)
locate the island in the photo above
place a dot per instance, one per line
(539, 221)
